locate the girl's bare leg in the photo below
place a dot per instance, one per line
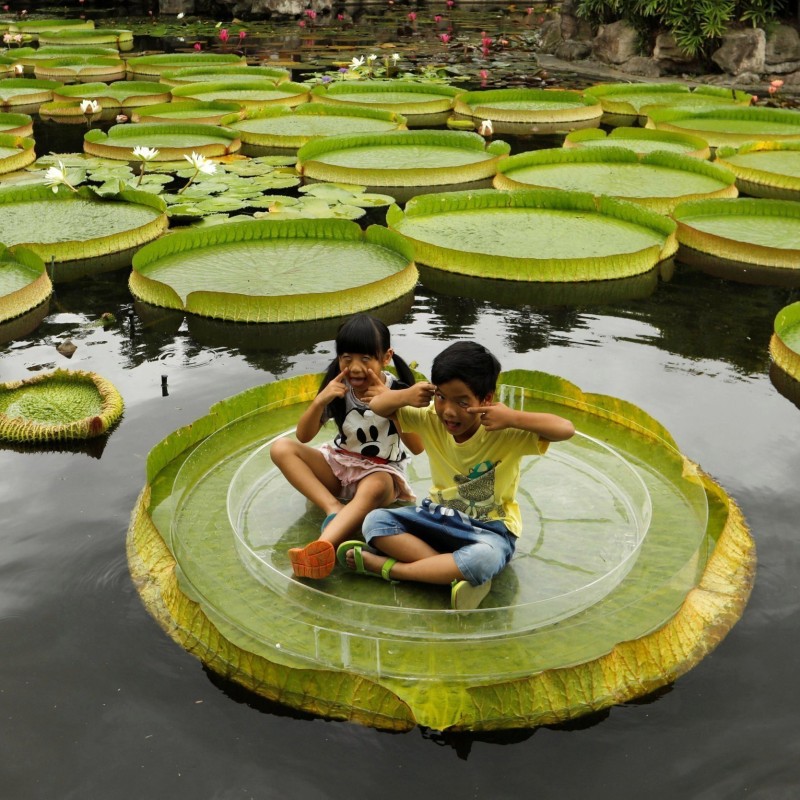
(307, 470)
(375, 490)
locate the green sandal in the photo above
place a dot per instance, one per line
(466, 597)
(357, 546)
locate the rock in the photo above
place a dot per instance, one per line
(616, 43)
(571, 26)
(641, 65)
(783, 45)
(176, 7)
(670, 58)
(67, 348)
(742, 51)
(573, 50)
(550, 34)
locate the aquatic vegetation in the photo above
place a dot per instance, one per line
(188, 111)
(409, 661)
(258, 92)
(784, 345)
(58, 406)
(640, 140)
(764, 169)
(16, 152)
(24, 283)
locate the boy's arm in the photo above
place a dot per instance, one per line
(550, 427)
(389, 402)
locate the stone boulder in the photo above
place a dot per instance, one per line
(742, 51)
(572, 27)
(782, 53)
(642, 66)
(616, 43)
(670, 58)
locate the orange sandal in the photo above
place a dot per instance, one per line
(316, 560)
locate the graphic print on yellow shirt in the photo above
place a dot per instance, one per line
(473, 493)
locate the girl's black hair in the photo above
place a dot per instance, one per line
(369, 336)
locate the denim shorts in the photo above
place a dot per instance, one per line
(481, 549)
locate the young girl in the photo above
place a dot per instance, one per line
(366, 461)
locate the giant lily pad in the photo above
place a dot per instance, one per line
(283, 128)
(325, 650)
(16, 152)
(731, 126)
(79, 233)
(402, 158)
(58, 406)
(173, 140)
(154, 66)
(121, 94)
(24, 283)
(765, 169)
(246, 93)
(121, 39)
(641, 141)
(542, 110)
(623, 102)
(16, 124)
(25, 92)
(658, 180)
(534, 235)
(784, 346)
(187, 111)
(81, 69)
(748, 240)
(412, 100)
(281, 271)
(225, 73)
(35, 26)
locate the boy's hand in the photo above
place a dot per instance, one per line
(336, 388)
(493, 416)
(375, 387)
(419, 395)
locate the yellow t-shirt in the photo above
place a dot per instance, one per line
(480, 476)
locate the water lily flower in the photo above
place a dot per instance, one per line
(8, 38)
(120, 119)
(372, 57)
(437, 18)
(242, 35)
(412, 16)
(197, 46)
(144, 154)
(357, 62)
(181, 15)
(90, 107)
(395, 57)
(200, 164)
(486, 128)
(18, 69)
(311, 14)
(301, 23)
(777, 83)
(223, 35)
(445, 37)
(450, 3)
(55, 176)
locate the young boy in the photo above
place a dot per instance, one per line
(466, 532)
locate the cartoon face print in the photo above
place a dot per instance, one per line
(366, 433)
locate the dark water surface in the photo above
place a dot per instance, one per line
(96, 702)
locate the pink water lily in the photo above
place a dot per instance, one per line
(223, 35)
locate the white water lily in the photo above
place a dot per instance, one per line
(486, 128)
(181, 15)
(90, 106)
(395, 57)
(145, 153)
(56, 176)
(372, 57)
(357, 62)
(201, 163)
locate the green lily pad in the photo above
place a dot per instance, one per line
(764, 169)
(24, 283)
(186, 111)
(122, 94)
(245, 93)
(406, 98)
(784, 346)
(640, 140)
(157, 65)
(227, 73)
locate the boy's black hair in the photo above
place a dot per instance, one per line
(366, 335)
(469, 362)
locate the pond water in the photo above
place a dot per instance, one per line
(97, 702)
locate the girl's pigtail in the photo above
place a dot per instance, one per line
(403, 371)
(335, 409)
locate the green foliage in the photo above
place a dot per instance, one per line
(695, 24)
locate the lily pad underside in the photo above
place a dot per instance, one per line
(187, 111)
(24, 283)
(750, 240)
(765, 169)
(658, 180)
(402, 158)
(534, 106)
(275, 271)
(58, 406)
(547, 236)
(16, 124)
(784, 346)
(121, 94)
(246, 93)
(16, 152)
(640, 140)
(613, 667)
(80, 233)
(406, 98)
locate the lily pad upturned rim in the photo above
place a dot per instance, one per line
(112, 144)
(21, 301)
(784, 356)
(36, 25)
(334, 93)
(93, 68)
(756, 257)
(292, 93)
(209, 112)
(184, 75)
(696, 146)
(621, 155)
(308, 156)
(581, 108)
(117, 94)
(534, 269)
(23, 123)
(761, 182)
(708, 612)
(24, 156)
(64, 252)
(167, 62)
(42, 91)
(29, 431)
(612, 95)
(276, 308)
(307, 109)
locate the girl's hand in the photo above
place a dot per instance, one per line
(375, 387)
(493, 416)
(419, 395)
(336, 388)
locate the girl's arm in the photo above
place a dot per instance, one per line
(311, 421)
(497, 417)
